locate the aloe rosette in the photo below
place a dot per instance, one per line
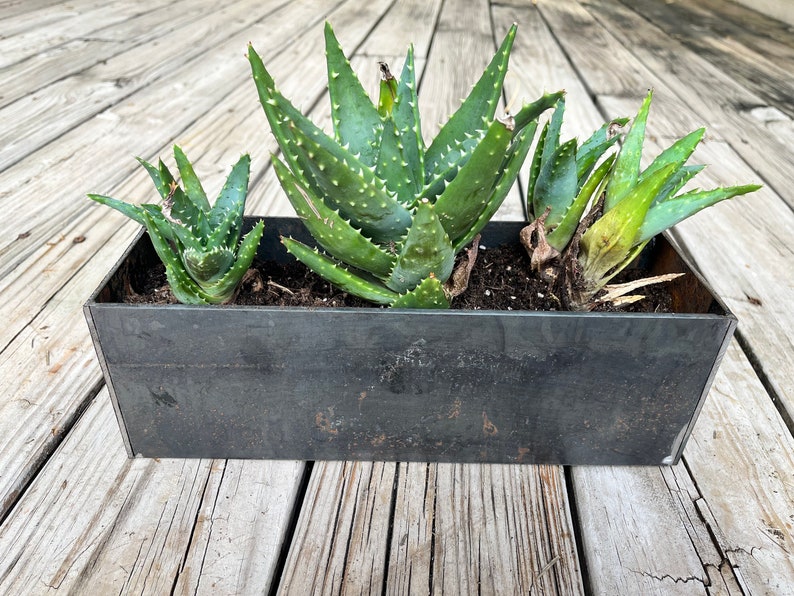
(628, 205)
(200, 246)
(388, 213)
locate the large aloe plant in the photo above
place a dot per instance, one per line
(200, 246)
(388, 212)
(628, 207)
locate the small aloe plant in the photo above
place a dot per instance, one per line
(563, 180)
(628, 207)
(389, 213)
(199, 245)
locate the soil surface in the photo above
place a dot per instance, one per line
(501, 280)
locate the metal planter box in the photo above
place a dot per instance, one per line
(379, 384)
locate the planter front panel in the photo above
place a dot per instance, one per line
(378, 384)
(302, 384)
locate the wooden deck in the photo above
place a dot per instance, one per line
(88, 84)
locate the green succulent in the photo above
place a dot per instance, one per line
(628, 207)
(388, 213)
(199, 245)
(563, 177)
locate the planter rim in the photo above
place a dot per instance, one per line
(727, 313)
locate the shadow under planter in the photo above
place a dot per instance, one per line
(407, 385)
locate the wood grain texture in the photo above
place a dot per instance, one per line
(128, 521)
(340, 542)
(240, 528)
(72, 54)
(76, 99)
(483, 528)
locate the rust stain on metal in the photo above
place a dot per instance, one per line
(324, 424)
(454, 411)
(379, 440)
(488, 428)
(522, 451)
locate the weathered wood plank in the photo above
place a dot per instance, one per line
(410, 568)
(125, 517)
(13, 8)
(50, 63)
(713, 35)
(340, 541)
(500, 530)
(240, 528)
(634, 533)
(408, 22)
(457, 57)
(26, 32)
(76, 99)
(741, 442)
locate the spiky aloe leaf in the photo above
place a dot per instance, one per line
(209, 265)
(594, 148)
(131, 210)
(183, 287)
(282, 116)
(608, 242)
(563, 233)
(534, 172)
(193, 188)
(335, 273)
(627, 166)
(356, 121)
(531, 111)
(677, 153)
(331, 230)
(136, 213)
(677, 181)
(350, 186)
(479, 106)
(393, 166)
(517, 155)
(226, 214)
(428, 294)
(665, 214)
(557, 182)
(223, 289)
(407, 123)
(175, 200)
(426, 250)
(553, 132)
(467, 196)
(455, 159)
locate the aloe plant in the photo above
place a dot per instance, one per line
(628, 207)
(388, 212)
(200, 246)
(563, 180)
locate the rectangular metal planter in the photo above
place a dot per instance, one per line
(379, 384)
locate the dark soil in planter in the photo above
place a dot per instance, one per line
(500, 281)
